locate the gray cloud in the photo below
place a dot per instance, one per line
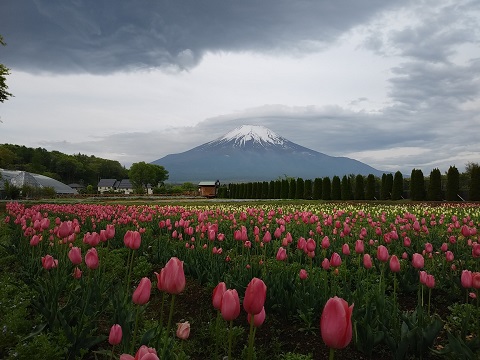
(111, 35)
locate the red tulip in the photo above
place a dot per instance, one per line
(183, 330)
(75, 255)
(255, 295)
(91, 259)
(394, 264)
(115, 336)
(382, 253)
(418, 261)
(336, 323)
(230, 308)
(257, 319)
(173, 276)
(466, 279)
(218, 295)
(141, 295)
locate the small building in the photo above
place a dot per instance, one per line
(107, 185)
(208, 188)
(125, 187)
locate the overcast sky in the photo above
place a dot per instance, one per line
(394, 84)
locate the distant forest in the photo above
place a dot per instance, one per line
(82, 169)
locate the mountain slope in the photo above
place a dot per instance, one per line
(255, 153)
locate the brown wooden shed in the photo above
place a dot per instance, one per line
(208, 188)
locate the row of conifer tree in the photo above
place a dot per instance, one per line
(452, 186)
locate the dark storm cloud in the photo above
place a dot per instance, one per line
(103, 36)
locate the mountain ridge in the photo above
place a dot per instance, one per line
(256, 153)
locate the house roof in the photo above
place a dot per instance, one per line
(125, 184)
(206, 183)
(107, 183)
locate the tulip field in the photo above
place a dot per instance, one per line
(243, 280)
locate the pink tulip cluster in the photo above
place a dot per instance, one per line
(228, 303)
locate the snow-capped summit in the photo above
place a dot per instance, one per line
(256, 133)
(252, 138)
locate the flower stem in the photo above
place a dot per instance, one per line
(251, 338)
(230, 340)
(132, 347)
(217, 325)
(170, 315)
(332, 354)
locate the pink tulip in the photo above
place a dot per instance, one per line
(75, 255)
(255, 296)
(267, 237)
(367, 261)
(132, 239)
(159, 280)
(48, 262)
(77, 273)
(183, 330)
(230, 307)
(173, 276)
(345, 249)
(281, 254)
(449, 256)
(65, 229)
(143, 353)
(303, 274)
(466, 279)
(141, 295)
(476, 280)
(325, 242)
(423, 277)
(418, 261)
(336, 323)
(218, 295)
(335, 260)
(428, 247)
(430, 281)
(35, 240)
(325, 264)
(311, 245)
(115, 336)
(91, 259)
(394, 264)
(382, 253)
(359, 246)
(258, 319)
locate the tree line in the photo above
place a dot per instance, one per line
(452, 186)
(78, 168)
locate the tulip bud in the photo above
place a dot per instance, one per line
(141, 295)
(255, 296)
(183, 330)
(115, 336)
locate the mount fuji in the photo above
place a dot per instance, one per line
(256, 153)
